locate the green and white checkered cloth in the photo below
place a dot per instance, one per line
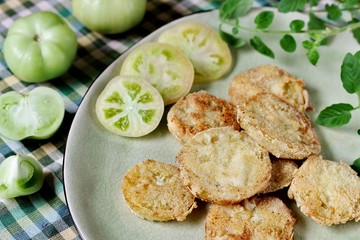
(44, 215)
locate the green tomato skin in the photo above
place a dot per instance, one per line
(40, 47)
(110, 16)
(36, 115)
(20, 175)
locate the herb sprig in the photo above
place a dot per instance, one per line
(339, 114)
(318, 28)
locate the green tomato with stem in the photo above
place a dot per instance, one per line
(110, 16)
(39, 47)
(20, 175)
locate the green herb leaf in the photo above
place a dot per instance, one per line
(313, 55)
(232, 9)
(264, 19)
(335, 115)
(288, 43)
(297, 25)
(315, 23)
(319, 37)
(350, 72)
(333, 11)
(356, 32)
(235, 30)
(232, 40)
(350, 3)
(358, 131)
(261, 47)
(291, 5)
(356, 165)
(308, 44)
(314, 2)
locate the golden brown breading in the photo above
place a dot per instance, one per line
(224, 166)
(277, 126)
(153, 191)
(281, 174)
(197, 112)
(327, 191)
(269, 79)
(254, 218)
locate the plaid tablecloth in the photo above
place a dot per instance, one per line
(44, 215)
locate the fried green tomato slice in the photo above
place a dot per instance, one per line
(209, 54)
(166, 67)
(129, 106)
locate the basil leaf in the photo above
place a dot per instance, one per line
(333, 11)
(313, 55)
(297, 25)
(335, 115)
(356, 166)
(350, 72)
(288, 43)
(231, 9)
(261, 47)
(291, 5)
(232, 40)
(358, 131)
(264, 19)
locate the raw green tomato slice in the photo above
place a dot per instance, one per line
(129, 106)
(209, 54)
(164, 66)
(20, 175)
(37, 114)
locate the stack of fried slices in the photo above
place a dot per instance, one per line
(236, 154)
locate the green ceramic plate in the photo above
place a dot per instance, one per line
(96, 160)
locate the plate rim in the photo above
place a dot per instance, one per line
(89, 89)
(109, 68)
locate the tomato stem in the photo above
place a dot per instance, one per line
(37, 38)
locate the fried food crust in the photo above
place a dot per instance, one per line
(224, 166)
(281, 174)
(277, 126)
(153, 191)
(254, 218)
(327, 191)
(197, 112)
(269, 79)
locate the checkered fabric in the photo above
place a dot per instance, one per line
(44, 215)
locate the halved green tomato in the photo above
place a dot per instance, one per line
(129, 106)
(20, 175)
(37, 114)
(209, 54)
(164, 66)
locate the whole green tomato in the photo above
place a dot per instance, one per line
(109, 16)
(39, 47)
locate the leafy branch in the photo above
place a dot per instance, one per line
(339, 114)
(318, 28)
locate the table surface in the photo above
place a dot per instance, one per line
(44, 215)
